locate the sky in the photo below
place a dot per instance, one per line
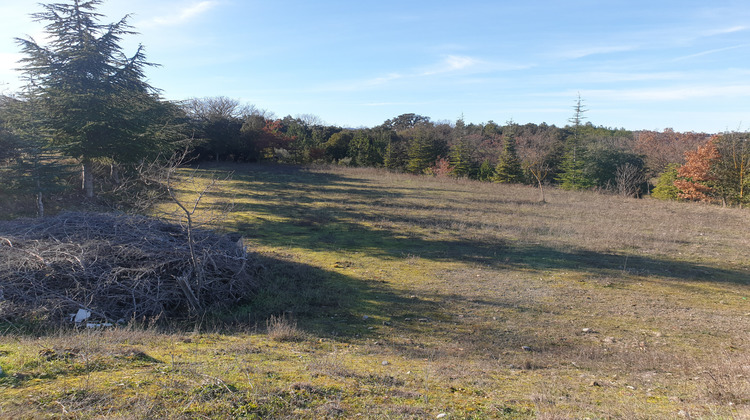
(636, 64)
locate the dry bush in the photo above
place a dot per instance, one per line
(117, 267)
(283, 328)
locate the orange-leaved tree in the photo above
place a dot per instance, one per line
(695, 177)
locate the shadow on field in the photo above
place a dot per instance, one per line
(293, 206)
(331, 304)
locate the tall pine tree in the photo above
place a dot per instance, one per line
(97, 104)
(573, 169)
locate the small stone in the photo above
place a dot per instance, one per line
(441, 416)
(385, 363)
(526, 348)
(365, 317)
(588, 331)
(609, 340)
(630, 387)
(387, 323)
(423, 320)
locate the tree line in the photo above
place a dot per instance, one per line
(87, 109)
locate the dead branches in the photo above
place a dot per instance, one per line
(119, 266)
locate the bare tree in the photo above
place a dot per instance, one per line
(535, 151)
(629, 179)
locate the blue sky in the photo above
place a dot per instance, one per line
(636, 64)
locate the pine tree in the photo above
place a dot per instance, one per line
(573, 169)
(422, 151)
(97, 104)
(460, 159)
(508, 169)
(665, 188)
(37, 167)
(486, 171)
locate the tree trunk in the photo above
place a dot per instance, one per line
(541, 190)
(88, 179)
(39, 204)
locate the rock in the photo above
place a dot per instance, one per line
(441, 416)
(385, 363)
(526, 348)
(588, 331)
(609, 340)
(365, 317)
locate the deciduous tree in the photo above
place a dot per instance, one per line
(695, 176)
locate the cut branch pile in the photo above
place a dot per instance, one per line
(119, 267)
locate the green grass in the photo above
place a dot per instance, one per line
(396, 296)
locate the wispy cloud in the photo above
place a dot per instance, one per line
(729, 30)
(677, 93)
(185, 15)
(716, 50)
(576, 53)
(452, 63)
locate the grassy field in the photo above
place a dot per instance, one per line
(396, 296)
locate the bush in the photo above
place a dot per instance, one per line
(665, 188)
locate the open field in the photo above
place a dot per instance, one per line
(396, 296)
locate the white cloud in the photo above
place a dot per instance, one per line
(702, 53)
(577, 53)
(728, 30)
(185, 15)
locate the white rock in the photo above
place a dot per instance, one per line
(441, 416)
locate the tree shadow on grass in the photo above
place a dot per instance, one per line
(330, 304)
(322, 211)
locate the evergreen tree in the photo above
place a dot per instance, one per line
(573, 169)
(97, 104)
(665, 188)
(460, 159)
(363, 149)
(508, 169)
(486, 171)
(422, 151)
(35, 168)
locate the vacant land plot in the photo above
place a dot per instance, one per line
(396, 296)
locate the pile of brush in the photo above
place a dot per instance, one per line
(118, 267)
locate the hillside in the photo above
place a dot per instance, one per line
(401, 296)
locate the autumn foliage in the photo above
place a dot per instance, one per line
(695, 176)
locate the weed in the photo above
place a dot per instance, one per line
(283, 328)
